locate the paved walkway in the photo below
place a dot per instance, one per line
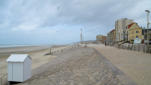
(79, 66)
(134, 64)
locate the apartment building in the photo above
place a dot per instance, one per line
(120, 29)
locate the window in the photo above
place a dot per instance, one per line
(137, 31)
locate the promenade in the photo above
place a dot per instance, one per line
(134, 64)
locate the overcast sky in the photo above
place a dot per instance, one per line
(60, 21)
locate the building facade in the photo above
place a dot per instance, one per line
(120, 29)
(111, 37)
(134, 32)
(147, 35)
(101, 38)
(108, 39)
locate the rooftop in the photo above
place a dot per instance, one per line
(17, 57)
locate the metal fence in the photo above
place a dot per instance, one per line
(135, 47)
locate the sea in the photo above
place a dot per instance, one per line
(11, 45)
(22, 45)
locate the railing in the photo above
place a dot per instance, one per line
(135, 47)
(59, 50)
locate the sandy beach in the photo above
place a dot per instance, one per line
(5, 52)
(37, 53)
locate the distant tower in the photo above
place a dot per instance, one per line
(81, 35)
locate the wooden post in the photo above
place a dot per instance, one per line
(50, 51)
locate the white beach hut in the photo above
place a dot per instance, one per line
(19, 67)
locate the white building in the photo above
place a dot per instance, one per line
(19, 67)
(120, 28)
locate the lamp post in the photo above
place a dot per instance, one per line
(81, 35)
(147, 34)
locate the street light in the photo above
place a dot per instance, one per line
(81, 35)
(147, 11)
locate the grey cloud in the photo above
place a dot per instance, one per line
(93, 15)
(54, 12)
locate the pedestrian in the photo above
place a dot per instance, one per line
(105, 43)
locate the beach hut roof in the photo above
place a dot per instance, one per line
(17, 57)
